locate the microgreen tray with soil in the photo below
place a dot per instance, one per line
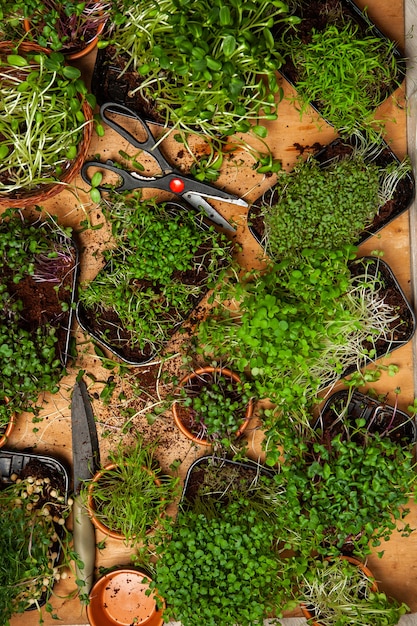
(345, 88)
(376, 415)
(166, 262)
(401, 328)
(33, 488)
(112, 81)
(39, 265)
(198, 66)
(216, 476)
(385, 203)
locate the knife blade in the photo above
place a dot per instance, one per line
(86, 460)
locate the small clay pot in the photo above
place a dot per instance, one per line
(91, 505)
(7, 429)
(178, 408)
(81, 52)
(119, 599)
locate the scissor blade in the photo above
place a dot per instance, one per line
(85, 447)
(209, 191)
(199, 203)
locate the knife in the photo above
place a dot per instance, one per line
(85, 456)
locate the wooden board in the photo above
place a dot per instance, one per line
(397, 570)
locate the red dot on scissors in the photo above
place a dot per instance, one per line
(176, 185)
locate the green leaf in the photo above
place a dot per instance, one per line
(71, 72)
(95, 195)
(229, 45)
(225, 16)
(16, 60)
(260, 130)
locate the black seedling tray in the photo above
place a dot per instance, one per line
(366, 26)
(401, 201)
(14, 463)
(377, 415)
(136, 356)
(199, 466)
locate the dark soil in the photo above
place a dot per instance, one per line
(380, 417)
(111, 82)
(317, 16)
(338, 149)
(42, 301)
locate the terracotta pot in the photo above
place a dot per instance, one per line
(178, 408)
(374, 587)
(119, 599)
(92, 508)
(7, 429)
(80, 53)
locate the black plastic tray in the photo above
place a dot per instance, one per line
(403, 196)
(220, 462)
(356, 15)
(147, 355)
(13, 463)
(362, 406)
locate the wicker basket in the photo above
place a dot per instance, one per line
(42, 193)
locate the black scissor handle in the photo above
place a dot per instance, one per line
(127, 182)
(148, 145)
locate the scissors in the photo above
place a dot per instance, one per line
(171, 179)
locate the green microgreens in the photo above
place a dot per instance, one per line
(328, 205)
(41, 121)
(345, 75)
(155, 249)
(29, 357)
(205, 64)
(132, 497)
(298, 329)
(63, 26)
(340, 593)
(32, 523)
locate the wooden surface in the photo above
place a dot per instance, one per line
(397, 570)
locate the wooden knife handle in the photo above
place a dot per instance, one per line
(85, 547)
